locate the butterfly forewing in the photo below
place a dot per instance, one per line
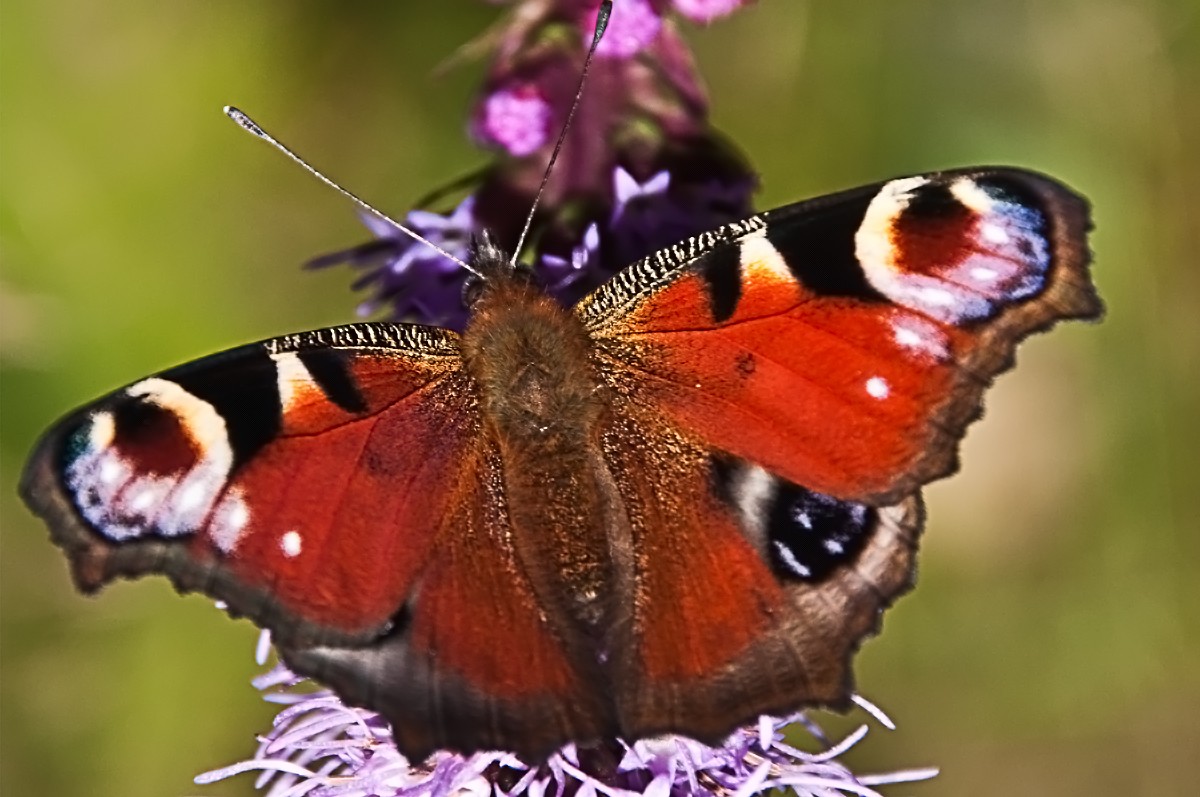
(844, 342)
(269, 476)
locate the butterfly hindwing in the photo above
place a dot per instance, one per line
(505, 676)
(748, 594)
(844, 342)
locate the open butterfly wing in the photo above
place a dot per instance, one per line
(783, 386)
(299, 480)
(749, 595)
(336, 488)
(474, 662)
(844, 343)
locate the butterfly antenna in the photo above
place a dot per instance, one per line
(249, 125)
(602, 15)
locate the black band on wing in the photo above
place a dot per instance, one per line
(329, 368)
(934, 201)
(245, 394)
(722, 270)
(818, 247)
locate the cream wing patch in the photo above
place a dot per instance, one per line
(127, 483)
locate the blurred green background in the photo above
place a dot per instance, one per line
(1053, 644)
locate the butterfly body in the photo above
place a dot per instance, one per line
(543, 405)
(678, 505)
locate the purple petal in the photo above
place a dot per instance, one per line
(707, 10)
(378, 227)
(633, 25)
(516, 118)
(626, 188)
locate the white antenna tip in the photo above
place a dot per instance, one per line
(249, 125)
(245, 122)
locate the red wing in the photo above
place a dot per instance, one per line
(473, 662)
(335, 487)
(748, 594)
(844, 343)
(300, 480)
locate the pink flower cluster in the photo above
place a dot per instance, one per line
(642, 121)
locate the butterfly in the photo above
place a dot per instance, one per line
(680, 504)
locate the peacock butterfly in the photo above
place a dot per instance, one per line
(676, 506)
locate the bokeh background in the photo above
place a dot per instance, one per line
(1053, 643)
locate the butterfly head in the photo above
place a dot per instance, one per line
(491, 267)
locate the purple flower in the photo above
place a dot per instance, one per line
(640, 168)
(645, 217)
(516, 118)
(419, 284)
(321, 748)
(626, 188)
(633, 25)
(416, 280)
(707, 10)
(560, 275)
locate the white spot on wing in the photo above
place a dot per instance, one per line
(142, 499)
(761, 260)
(190, 497)
(110, 470)
(791, 561)
(994, 233)
(937, 297)
(229, 521)
(121, 532)
(919, 335)
(102, 430)
(290, 543)
(292, 378)
(753, 490)
(906, 337)
(968, 192)
(877, 387)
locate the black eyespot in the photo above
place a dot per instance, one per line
(810, 534)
